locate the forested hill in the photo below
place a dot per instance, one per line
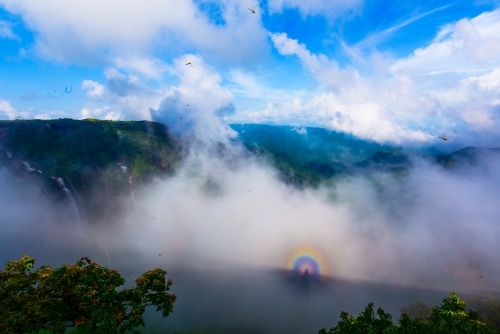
(97, 159)
(101, 160)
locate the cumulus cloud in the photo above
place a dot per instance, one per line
(333, 8)
(89, 32)
(196, 105)
(100, 113)
(122, 96)
(93, 88)
(354, 104)
(7, 110)
(407, 100)
(469, 45)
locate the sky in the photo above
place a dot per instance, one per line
(401, 73)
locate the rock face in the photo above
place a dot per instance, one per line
(94, 160)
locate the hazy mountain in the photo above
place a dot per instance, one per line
(307, 144)
(95, 160)
(92, 163)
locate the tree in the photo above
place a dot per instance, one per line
(82, 297)
(451, 317)
(365, 323)
(488, 308)
(419, 310)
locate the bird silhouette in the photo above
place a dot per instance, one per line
(443, 137)
(180, 118)
(188, 63)
(253, 11)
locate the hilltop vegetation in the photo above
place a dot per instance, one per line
(98, 159)
(102, 161)
(451, 317)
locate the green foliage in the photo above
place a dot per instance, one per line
(290, 171)
(86, 154)
(81, 297)
(65, 147)
(452, 317)
(419, 310)
(141, 168)
(488, 308)
(365, 323)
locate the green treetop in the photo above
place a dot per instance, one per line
(81, 297)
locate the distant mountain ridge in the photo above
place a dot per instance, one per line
(97, 162)
(306, 144)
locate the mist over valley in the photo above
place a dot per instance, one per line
(226, 220)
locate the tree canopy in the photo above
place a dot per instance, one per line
(82, 297)
(452, 317)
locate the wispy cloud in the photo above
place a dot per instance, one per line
(379, 37)
(6, 30)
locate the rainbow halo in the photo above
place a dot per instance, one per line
(307, 261)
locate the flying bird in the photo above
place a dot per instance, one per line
(443, 137)
(180, 118)
(153, 217)
(480, 276)
(188, 63)
(187, 104)
(253, 11)
(159, 254)
(220, 143)
(67, 91)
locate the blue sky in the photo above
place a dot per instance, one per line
(393, 72)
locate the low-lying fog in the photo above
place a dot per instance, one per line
(226, 227)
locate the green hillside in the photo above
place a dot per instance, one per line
(94, 158)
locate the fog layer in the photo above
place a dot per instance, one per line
(226, 214)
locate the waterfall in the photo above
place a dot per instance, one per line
(28, 167)
(123, 167)
(131, 193)
(72, 202)
(106, 183)
(74, 190)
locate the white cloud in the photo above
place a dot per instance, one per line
(383, 35)
(100, 113)
(6, 30)
(331, 8)
(354, 104)
(196, 105)
(93, 88)
(464, 46)
(146, 67)
(84, 31)
(401, 102)
(7, 110)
